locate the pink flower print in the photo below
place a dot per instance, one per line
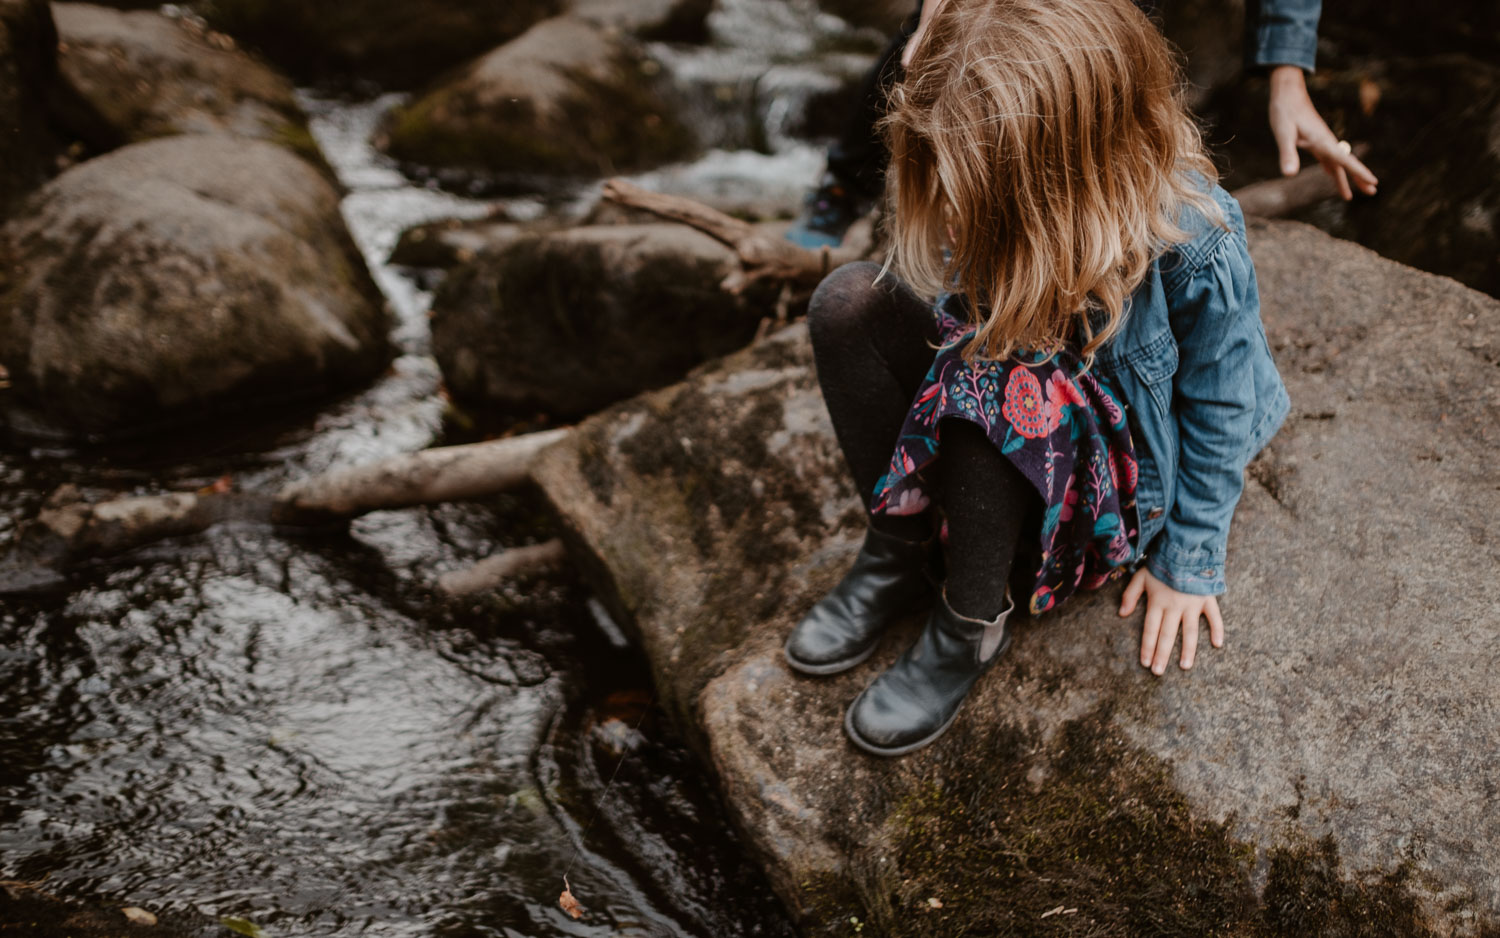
(911, 501)
(1069, 499)
(1123, 471)
(1025, 407)
(1110, 406)
(1061, 393)
(1042, 600)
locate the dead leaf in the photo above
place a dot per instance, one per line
(139, 915)
(569, 904)
(1056, 911)
(222, 485)
(1369, 96)
(934, 903)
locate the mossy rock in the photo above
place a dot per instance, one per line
(177, 279)
(396, 43)
(567, 322)
(568, 98)
(133, 76)
(1326, 773)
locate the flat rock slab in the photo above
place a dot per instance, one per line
(1330, 771)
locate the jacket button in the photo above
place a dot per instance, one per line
(1153, 514)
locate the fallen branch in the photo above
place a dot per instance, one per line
(68, 528)
(1278, 198)
(762, 256)
(506, 565)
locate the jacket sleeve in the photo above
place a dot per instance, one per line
(1215, 317)
(1282, 32)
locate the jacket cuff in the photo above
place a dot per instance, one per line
(1199, 573)
(1284, 44)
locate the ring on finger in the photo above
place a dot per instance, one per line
(1345, 146)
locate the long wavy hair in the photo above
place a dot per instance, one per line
(1041, 157)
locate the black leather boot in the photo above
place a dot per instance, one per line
(917, 699)
(889, 580)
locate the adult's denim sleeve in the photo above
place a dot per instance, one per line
(1282, 32)
(1215, 316)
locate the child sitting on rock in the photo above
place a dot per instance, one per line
(1070, 373)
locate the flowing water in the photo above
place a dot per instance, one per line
(296, 731)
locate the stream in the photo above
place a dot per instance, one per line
(292, 733)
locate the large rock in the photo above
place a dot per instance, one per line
(397, 43)
(132, 76)
(1329, 772)
(568, 98)
(177, 278)
(28, 70)
(569, 321)
(664, 20)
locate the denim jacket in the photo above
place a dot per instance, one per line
(1282, 32)
(1202, 394)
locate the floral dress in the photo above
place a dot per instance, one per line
(1062, 427)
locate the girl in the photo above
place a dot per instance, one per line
(1071, 364)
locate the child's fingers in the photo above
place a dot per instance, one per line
(1166, 640)
(1215, 623)
(1149, 632)
(1189, 641)
(1133, 591)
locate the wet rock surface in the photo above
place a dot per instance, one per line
(568, 98)
(569, 321)
(1327, 772)
(136, 75)
(28, 70)
(394, 42)
(181, 277)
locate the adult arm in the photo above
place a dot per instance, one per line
(1282, 36)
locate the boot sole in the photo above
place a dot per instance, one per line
(875, 750)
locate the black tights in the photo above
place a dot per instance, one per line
(874, 344)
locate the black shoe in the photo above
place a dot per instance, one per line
(916, 701)
(889, 580)
(827, 213)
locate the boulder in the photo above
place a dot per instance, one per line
(132, 76)
(396, 43)
(177, 278)
(661, 20)
(567, 322)
(1328, 772)
(28, 70)
(449, 242)
(568, 98)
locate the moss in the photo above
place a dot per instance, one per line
(295, 136)
(1105, 839)
(1307, 893)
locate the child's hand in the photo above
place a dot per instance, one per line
(1166, 611)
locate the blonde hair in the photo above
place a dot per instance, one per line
(1044, 144)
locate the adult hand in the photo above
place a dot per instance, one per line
(1167, 610)
(1295, 122)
